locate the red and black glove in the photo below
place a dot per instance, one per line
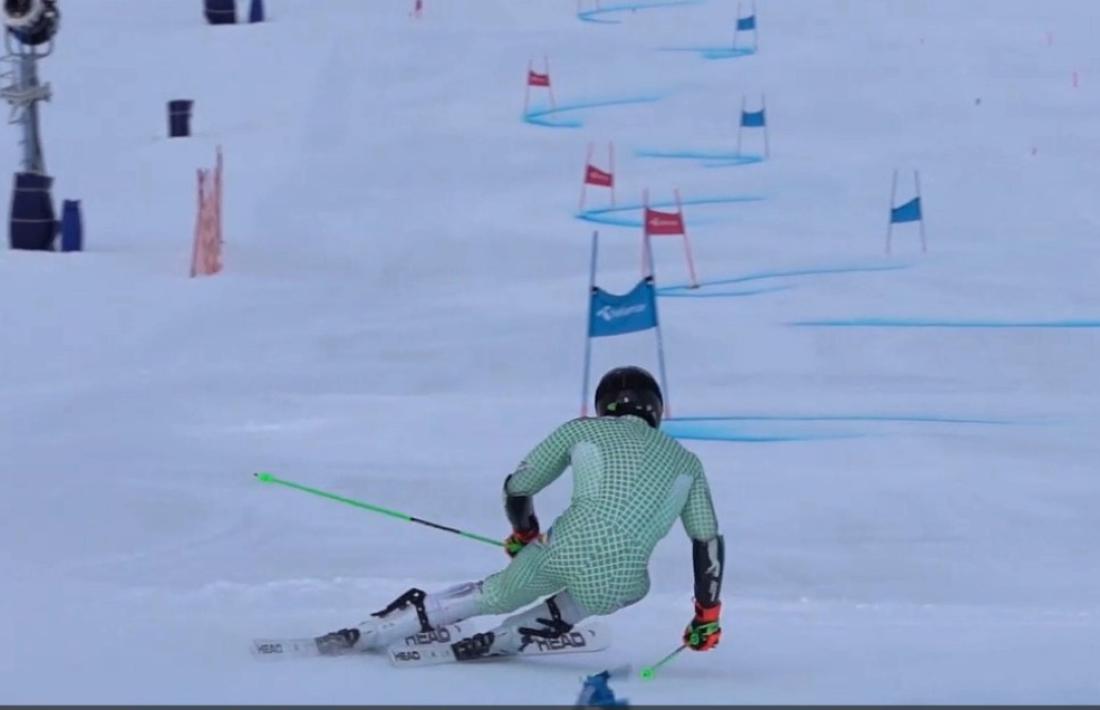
(704, 633)
(519, 540)
(525, 524)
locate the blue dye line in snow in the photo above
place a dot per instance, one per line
(596, 15)
(694, 434)
(713, 53)
(719, 428)
(605, 215)
(699, 293)
(667, 290)
(545, 116)
(931, 323)
(907, 418)
(709, 159)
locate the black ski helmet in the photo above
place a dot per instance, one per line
(630, 390)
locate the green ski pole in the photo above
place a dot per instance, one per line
(650, 672)
(269, 478)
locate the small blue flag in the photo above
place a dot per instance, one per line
(909, 212)
(753, 119)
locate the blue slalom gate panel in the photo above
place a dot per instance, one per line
(753, 119)
(909, 212)
(746, 23)
(612, 314)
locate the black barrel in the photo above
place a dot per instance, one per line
(33, 224)
(179, 118)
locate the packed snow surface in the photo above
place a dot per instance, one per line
(903, 449)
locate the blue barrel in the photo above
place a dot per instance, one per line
(221, 12)
(72, 226)
(179, 118)
(33, 225)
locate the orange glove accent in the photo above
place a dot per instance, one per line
(704, 632)
(518, 540)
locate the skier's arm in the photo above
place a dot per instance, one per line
(708, 557)
(708, 551)
(539, 468)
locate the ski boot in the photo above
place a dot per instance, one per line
(473, 647)
(363, 637)
(337, 642)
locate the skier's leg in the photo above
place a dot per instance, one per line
(530, 576)
(411, 613)
(599, 586)
(550, 619)
(606, 583)
(557, 615)
(517, 585)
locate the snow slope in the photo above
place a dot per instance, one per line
(910, 512)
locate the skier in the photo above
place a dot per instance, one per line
(630, 484)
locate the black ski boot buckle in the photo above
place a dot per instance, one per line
(415, 597)
(476, 646)
(552, 628)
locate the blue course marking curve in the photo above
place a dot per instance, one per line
(932, 323)
(689, 434)
(713, 53)
(686, 291)
(709, 428)
(697, 293)
(544, 116)
(709, 158)
(905, 418)
(595, 15)
(605, 215)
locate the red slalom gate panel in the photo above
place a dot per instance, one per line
(597, 177)
(666, 224)
(539, 80)
(663, 224)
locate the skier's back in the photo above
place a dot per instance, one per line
(631, 482)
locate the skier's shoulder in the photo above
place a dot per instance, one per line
(590, 423)
(572, 429)
(688, 458)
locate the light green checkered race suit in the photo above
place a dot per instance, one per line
(631, 482)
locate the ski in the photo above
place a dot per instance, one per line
(587, 639)
(307, 647)
(285, 648)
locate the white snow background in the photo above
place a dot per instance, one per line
(402, 314)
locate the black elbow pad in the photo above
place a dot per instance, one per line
(709, 558)
(520, 511)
